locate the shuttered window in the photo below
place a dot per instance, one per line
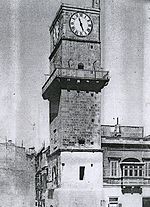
(114, 168)
(147, 169)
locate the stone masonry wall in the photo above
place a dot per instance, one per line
(77, 52)
(78, 120)
(17, 177)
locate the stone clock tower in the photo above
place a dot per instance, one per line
(73, 91)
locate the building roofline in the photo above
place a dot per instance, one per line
(139, 146)
(58, 151)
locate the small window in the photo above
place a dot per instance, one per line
(140, 171)
(81, 172)
(47, 171)
(80, 66)
(92, 94)
(113, 202)
(81, 141)
(126, 171)
(50, 193)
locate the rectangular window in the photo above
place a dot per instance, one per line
(113, 202)
(140, 171)
(113, 168)
(147, 169)
(132, 171)
(50, 193)
(125, 170)
(135, 171)
(81, 172)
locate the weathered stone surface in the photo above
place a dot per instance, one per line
(78, 119)
(17, 176)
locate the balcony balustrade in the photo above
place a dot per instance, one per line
(75, 79)
(132, 181)
(125, 132)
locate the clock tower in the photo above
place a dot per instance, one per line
(74, 94)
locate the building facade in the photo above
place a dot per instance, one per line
(86, 164)
(41, 177)
(17, 173)
(126, 166)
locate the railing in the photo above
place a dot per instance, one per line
(76, 74)
(132, 181)
(125, 131)
(112, 180)
(61, 72)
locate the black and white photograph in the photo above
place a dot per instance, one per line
(74, 103)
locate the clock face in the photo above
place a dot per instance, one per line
(56, 33)
(81, 24)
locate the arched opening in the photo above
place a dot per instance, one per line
(81, 141)
(131, 160)
(80, 66)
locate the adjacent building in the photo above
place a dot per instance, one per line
(17, 171)
(126, 166)
(42, 177)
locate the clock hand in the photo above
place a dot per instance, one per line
(81, 25)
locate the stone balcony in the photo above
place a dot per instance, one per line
(74, 79)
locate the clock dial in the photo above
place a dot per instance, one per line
(81, 24)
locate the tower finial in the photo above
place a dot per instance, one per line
(96, 4)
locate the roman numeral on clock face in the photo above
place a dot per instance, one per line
(80, 24)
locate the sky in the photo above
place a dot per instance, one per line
(24, 52)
